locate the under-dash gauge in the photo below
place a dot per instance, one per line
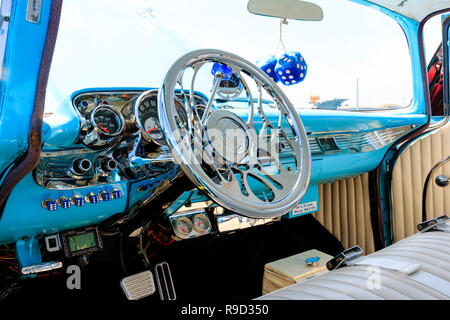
(184, 226)
(107, 121)
(201, 223)
(146, 112)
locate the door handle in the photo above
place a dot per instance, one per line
(442, 181)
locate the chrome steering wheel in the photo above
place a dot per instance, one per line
(254, 161)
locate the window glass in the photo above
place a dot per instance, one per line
(432, 33)
(357, 57)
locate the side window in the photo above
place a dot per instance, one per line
(434, 52)
(5, 11)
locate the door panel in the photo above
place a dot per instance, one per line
(409, 174)
(345, 211)
(437, 197)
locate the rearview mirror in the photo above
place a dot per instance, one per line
(286, 9)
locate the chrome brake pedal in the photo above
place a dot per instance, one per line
(138, 286)
(165, 282)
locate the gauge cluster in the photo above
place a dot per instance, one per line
(146, 113)
(120, 138)
(190, 224)
(104, 117)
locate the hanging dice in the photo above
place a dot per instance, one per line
(291, 68)
(268, 66)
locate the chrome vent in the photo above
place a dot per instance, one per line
(314, 146)
(359, 141)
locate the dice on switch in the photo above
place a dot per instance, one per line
(92, 198)
(105, 196)
(64, 203)
(49, 204)
(78, 201)
(116, 194)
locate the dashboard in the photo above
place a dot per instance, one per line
(105, 155)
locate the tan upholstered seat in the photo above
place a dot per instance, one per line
(430, 252)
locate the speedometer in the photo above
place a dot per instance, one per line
(146, 112)
(107, 121)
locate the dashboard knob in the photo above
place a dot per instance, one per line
(63, 202)
(116, 194)
(81, 166)
(77, 201)
(49, 204)
(105, 196)
(107, 165)
(92, 198)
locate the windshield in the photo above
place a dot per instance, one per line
(357, 57)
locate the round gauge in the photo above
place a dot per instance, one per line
(201, 223)
(146, 112)
(152, 128)
(107, 121)
(184, 226)
(230, 89)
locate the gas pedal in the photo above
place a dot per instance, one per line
(138, 286)
(165, 282)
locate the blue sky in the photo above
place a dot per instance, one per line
(106, 43)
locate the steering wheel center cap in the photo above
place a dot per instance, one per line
(228, 135)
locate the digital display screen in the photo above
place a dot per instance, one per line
(82, 241)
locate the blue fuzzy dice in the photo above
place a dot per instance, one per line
(291, 68)
(268, 66)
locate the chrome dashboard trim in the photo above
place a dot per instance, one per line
(357, 141)
(229, 222)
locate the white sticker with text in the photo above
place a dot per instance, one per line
(304, 208)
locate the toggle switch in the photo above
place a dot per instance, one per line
(105, 196)
(78, 201)
(116, 194)
(63, 202)
(49, 204)
(92, 198)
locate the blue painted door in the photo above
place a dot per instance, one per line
(24, 25)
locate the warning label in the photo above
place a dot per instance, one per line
(305, 208)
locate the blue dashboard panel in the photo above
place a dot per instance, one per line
(309, 204)
(24, 215)
(61, 131)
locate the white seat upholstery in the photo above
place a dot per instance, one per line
(429, 250)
